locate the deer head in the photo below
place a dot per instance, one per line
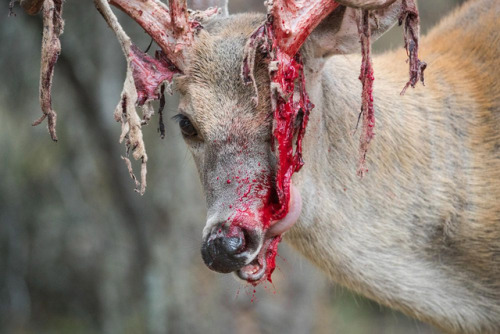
(245, 152)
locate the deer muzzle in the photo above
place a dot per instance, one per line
(246, 246)
(229, 247)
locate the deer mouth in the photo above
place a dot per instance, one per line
(244, 247)
(264, 263)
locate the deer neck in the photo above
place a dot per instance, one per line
(375, 235)
(336, 202)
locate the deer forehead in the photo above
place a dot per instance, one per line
(213, 93)
(217, 53)
(219, 115)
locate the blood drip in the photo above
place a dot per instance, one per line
(271, 253)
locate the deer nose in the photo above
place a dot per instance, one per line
(222, 250)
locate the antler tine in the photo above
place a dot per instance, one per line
(171, 29)
(154, 17)
(178, 16)
(294, 20)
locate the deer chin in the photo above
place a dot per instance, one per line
(262, 266)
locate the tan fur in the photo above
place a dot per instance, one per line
(421, 231)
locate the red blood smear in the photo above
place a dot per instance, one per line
(272, 251)
(286, 116)
(290, 120)
(150, 73)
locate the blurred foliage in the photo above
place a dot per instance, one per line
(80, 252)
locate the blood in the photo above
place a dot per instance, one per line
(286, 114)
(272, 251)
(253, 296)
(287, 144)
(291, 116)
(247, 192)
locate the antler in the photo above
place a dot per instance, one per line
(294, 20)
(174, 32)
(171, 28)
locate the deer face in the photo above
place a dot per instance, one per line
(229, 137)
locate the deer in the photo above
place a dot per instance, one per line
(420, 232)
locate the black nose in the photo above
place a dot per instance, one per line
(222, 251)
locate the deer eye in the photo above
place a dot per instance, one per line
(187, 128)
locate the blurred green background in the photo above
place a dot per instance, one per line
(80, 252)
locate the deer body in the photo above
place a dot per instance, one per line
(421, 231)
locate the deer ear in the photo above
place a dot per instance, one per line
(338, 32)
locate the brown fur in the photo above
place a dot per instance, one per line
(421, 231)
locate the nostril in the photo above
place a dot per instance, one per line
(232, 245)
(221, 250)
